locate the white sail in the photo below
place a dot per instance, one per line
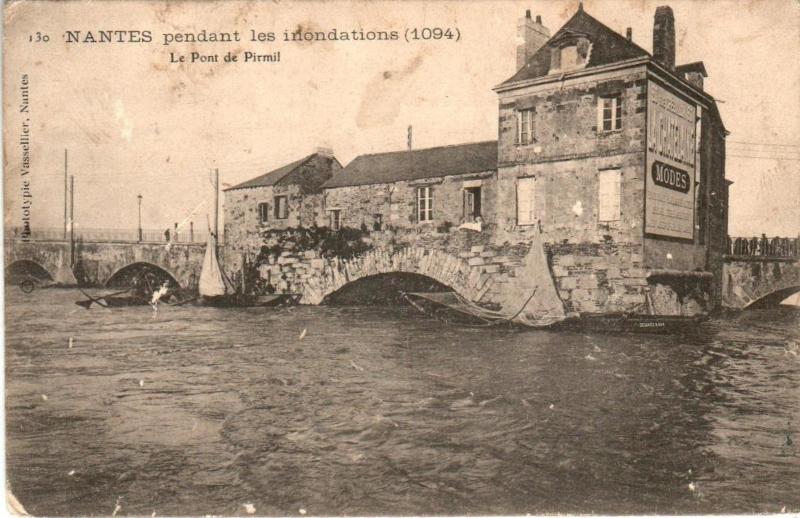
(532, 299)
(212, 278)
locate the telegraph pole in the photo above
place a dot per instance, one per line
(140, 217)
(72, 220)
(65, 193)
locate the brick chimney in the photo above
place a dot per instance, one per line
(532, 35)
(664, 37)
(693, 73)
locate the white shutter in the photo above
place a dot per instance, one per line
(526, 201)
(608, 192)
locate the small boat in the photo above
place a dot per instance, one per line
(217, 290)
(633, 323)
(112, 300)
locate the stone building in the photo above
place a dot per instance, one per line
(427, 190)
(288, 197)
(617, 156)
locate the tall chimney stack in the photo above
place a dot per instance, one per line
(664, 37)
(532, 35)
(629, 34)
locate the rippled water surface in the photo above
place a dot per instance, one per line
(380, 411)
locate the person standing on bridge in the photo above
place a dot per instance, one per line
(166, 235)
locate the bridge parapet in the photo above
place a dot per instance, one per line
(107, 235)
(764, 247)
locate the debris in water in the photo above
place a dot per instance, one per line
(597, 349)
(783, 509)
(552, 406)
(71, 472)
(525, 402)
(70, 342)
(692, 486)
(590, 357)
(153, 515)
(356, 366)
(490, 401)
(303, 334)
(118, 506)
(302, 511)
(44, 397)
(141, 383)
(249, 508)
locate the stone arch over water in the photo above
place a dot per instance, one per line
(153, 273)
(25, 268)
(443, 267)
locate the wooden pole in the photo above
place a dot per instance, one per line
(216, 204)
(65, 194)
(243, 262)
(72, 220)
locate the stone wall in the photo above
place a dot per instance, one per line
(242, 221)
(397, 202)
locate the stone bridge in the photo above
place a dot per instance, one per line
(97, 263)
(755, 272)
(758, 281)
(760, 271)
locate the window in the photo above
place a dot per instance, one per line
(424, 204)
(472, 204)
(526, 201)
(281, 208)
(263, 212)
(609, 113)
(609, 194)
(336, 219)
(525, 122)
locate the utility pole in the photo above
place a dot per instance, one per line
(140, 217)
(65, 193)
(216, 205)
(72, 220)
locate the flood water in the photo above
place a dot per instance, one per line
(195, 411)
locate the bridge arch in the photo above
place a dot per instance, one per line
(122, 277)
(24, 268)
(754, 282)
(382, 289)
(443, 267)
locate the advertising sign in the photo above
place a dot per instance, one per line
(669, 178)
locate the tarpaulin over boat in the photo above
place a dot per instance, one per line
(213, 281)
(531, 300)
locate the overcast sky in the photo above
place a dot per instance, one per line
(136, 124)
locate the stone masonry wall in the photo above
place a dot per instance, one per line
(397, 202)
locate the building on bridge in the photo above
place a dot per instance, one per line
(619, 157)
(615, 155)
(287, 197)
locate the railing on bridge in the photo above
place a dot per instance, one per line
(118, 235)
(764, 246)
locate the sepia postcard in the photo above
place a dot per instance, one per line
(350, 258)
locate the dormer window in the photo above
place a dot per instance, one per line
(569, 52)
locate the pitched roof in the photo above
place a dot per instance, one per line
(607, 47)
(273, 177)
(417, 164)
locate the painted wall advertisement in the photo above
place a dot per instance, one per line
(669, 184)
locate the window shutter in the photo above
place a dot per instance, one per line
(609, 193)
(526, 201)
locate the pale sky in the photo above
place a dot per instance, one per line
(136, 124)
